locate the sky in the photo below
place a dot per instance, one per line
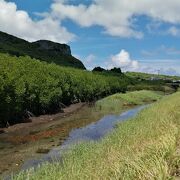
(138, 35)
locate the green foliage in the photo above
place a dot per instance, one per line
(98, 69)
(114, 71)
(118, 101)
(30, 85)
(141, 81)
(147, 76)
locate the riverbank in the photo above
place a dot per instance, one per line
(33, 122)
(26, 141)
(145, 147)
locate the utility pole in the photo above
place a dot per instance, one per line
(158, 72)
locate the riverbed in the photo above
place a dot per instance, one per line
(91, 132)
(47, 141)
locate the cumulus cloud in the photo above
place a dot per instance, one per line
(19, 23)
(117, 17)
(124, 61)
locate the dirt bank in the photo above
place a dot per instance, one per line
(25, 128)
(26, 140)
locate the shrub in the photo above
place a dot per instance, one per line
(38, 87)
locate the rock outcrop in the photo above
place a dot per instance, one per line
(53, 47)
(43, 50)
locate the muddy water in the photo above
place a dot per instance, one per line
(31, 142)
(93, 131)
(29, 148)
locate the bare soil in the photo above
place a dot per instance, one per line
(25, 128)
(28, 140)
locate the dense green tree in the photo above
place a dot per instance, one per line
(98, 69)
(28, 85)
(116, 70)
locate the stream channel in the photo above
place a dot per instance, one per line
(91, 132)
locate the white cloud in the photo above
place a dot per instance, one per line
(162, 50)
(90, 61)
(169, 71)
(165, 71)
(173, 31)
(90, 58)
(164, 66)
(154, 27)
(124, 61)
(19, 23)
(117, 17)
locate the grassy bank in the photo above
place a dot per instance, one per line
(119, 101)
(141, 75)
(42, 137)
(152, 82)
(145, 147)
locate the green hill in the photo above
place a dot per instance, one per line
(43, 50)
(146, 76)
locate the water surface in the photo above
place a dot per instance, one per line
(91, 132)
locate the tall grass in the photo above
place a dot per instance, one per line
(118, 101)
(140, 148)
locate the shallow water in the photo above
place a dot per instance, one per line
(91, 132)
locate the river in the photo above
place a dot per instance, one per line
(91, 132)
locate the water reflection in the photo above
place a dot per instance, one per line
(93, 131)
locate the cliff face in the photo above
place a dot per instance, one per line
(53, 47)
(43, 50)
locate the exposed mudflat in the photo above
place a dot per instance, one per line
(27, 140)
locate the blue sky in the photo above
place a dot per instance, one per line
(136, 37)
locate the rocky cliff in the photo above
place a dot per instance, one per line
(43, 50)
(53, 47)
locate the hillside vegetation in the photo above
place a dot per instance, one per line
(141, 81)
(145, 147)
(147, 76)
(43, 50)
(28, 85)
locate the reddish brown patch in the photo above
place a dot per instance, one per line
(36, 137)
